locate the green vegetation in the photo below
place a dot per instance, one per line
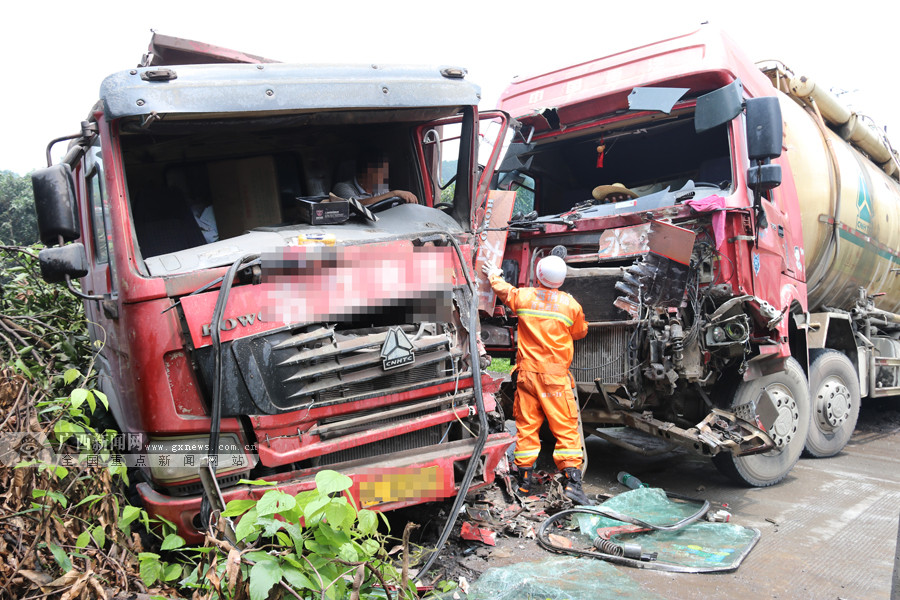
(500, 365)
(18, 221)
(78, 536)
(315, 543)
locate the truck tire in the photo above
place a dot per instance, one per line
(791, 394)
(834, 402)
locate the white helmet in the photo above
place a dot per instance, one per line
(551, 271)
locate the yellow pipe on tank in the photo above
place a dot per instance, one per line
(850, 126)
(832, 110)
(864, 137)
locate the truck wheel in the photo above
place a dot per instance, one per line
(834, 398)
(789, 392)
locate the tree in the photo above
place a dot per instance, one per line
(18, 220)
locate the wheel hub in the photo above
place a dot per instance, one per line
(785, 425)
(833, 404)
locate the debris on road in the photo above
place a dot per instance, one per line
(554, 579)
(661, 532)
(478, 534)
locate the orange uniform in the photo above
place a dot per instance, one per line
(549, 321)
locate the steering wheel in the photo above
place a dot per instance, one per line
(445, 206)
(386, 204)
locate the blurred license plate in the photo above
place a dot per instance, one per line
(400, 484)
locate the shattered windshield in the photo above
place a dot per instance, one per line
(203, 194)
(643, 166)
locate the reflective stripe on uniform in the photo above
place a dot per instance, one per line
(545, 314)
(567, 453)
(526, 453)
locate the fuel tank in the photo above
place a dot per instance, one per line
(850, 210)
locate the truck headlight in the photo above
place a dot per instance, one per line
(174, 460)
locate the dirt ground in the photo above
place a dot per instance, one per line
(828, 531)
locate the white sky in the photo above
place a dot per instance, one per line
(55, 53)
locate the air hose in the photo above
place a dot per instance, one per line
(625, 555)
(219, 378)
(482, 417)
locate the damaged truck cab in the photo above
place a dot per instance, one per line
(246, 314)
(706, 315)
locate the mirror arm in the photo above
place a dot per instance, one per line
(81, 295)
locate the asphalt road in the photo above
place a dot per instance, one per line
(829, 530)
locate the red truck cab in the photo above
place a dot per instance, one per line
(691, 280)
(240, 307)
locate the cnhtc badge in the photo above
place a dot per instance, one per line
(397, 350)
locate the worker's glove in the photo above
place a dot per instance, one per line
(491, 270)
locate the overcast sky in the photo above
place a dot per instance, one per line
(55, 54)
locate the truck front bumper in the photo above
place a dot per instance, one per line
(383, 483)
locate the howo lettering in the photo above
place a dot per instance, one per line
(743, 288)
(197, 193)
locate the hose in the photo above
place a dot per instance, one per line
(219, 379)
(616, 554)
(584, 455)
(821, 270)
(482, 418)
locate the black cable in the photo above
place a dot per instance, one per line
(544, 541)
(218, 381)
(482, 418)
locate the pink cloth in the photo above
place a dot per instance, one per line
(712, 203)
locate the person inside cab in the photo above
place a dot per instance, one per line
(370, 182)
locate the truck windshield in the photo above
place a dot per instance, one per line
(661, 161)
(203, 192)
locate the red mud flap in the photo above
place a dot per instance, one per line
(386, 483)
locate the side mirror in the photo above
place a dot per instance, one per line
(764, 135)
(719, 107)
(764, 177)
(764, 128)
(55, 204)
(517, 157)
(58, 262)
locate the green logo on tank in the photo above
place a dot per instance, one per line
(863, 207)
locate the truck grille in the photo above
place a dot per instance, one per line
(407, 441)
(327, 365)
(602, 354)
(295, 368)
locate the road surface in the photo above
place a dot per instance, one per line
(829, 530)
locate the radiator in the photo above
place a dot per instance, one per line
(603, 354)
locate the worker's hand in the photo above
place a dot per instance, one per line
(491, 270)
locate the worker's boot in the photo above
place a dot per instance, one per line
(573, 489)
(525, 475)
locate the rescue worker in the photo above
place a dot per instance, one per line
(549, 321)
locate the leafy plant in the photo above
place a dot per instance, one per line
(18, 220)
(71, 519)
(80, 534)
(315, 544)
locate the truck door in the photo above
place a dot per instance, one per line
(100, 282)
(450, 154)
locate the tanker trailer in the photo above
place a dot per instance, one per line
(845, 176)
(694, 279)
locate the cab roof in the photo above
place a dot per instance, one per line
(223, 81)
(702, 60)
